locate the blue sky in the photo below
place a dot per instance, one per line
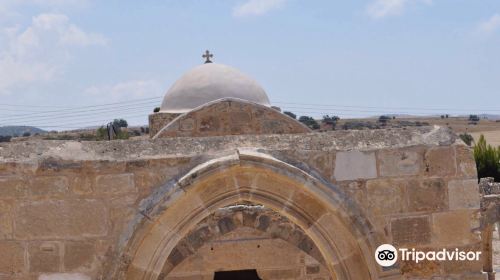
(356, 58)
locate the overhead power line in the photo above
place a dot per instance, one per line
(77, 112)
(95, 115)
(389, 108)
(86, 106)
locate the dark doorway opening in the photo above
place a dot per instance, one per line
(247, 274)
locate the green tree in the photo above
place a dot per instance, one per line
(487, 159)
(384, 119)
(474, 118)
(120, 123)
(290, 114)
(309, 121)
(330, 121)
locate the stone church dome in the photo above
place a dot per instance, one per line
(209, 82)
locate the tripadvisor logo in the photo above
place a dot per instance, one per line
(387, 255)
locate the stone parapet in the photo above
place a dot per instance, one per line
(96, 210)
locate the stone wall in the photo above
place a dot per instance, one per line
(88, 210)
(231, 116)
(158, 120)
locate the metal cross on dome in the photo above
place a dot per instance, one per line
(207, 56)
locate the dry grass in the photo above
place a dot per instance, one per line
(489, 128)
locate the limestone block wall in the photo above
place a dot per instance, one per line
(158, 120)
(230, 116)
(74, 209)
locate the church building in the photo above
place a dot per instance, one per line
(229, 187)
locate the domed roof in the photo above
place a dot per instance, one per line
(209, 82)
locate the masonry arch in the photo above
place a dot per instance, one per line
(243, 238)
(332, 221)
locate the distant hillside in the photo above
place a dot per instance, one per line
(484, 116)
(19, 130)
(489, 116)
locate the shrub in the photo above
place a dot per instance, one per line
(156, 110)
(26, 134)
(5, 138)
(487, 159)
(359, 125)
(384, 119)
(122, 135)
(101, 133)
(331, 121)
(467, 138)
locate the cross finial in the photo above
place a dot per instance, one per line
(207, 56)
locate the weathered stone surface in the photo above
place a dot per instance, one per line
(459, 267)
(12, 186)
(45, 256)
(49, 185)
(115, 184)
(310, 204)
(355, 165)
(411, 230)
(453, 227)
(356, 190)
(119, 151)
(230, 117)
(440, 162)
(81, 185)
(6, 221)
(427, 195)
(78, 255)
(281, 274)
(158, 120)
(384, 193)
(400, 162)
(312, 269)
(463, 194)
(60, 219)
(466, 165)
(64, 276)
(422, 270)
(11, 257)
(386, 196)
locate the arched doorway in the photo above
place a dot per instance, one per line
(248, 274)
(244, 238)
(334, 223)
